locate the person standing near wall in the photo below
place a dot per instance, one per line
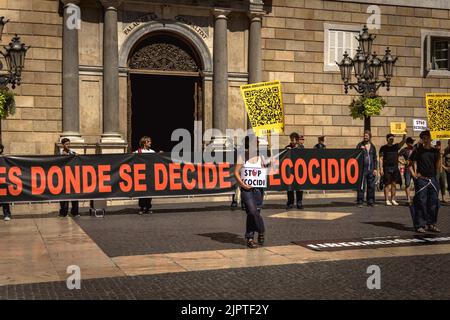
(64, 205)
(446, 164)
(145, 143)
(5, 206)
(424, 163)
(297, 142)
(405, 153)
(370, 165)
(389, 168)
(440, 174)
(321, 143)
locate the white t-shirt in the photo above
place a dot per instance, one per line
(145, 150)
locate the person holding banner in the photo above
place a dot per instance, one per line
(64, 205)
(425, 161)
(5, 206)
(405, 153)
(145, 204)
(249, 167)
(389, 167)
(369, 170)
(297, 142)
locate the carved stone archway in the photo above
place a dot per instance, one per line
(165, 55)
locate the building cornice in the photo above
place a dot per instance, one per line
(432, 4)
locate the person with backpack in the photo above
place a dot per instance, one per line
(145, 204)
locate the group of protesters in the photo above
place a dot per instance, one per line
(427, 165)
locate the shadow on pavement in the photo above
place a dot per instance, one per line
(225, 237)
(392, 225)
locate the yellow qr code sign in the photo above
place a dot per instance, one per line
(398, 127)
(264, 105)
(438, 112)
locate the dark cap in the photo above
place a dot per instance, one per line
(389, 135)
(424, 134)
(410, 140)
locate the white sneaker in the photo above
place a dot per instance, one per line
(7, 218)
(388, 203)
(395, 203)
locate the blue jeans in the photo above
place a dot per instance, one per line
(253, 200)
(407, 176)
(426, 202)
(368, 183)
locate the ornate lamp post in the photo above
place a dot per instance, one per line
(366, 67)
(14, 56)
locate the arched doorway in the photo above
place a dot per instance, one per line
(164, 89)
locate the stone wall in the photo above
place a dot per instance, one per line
(315, 103)
(37, 123)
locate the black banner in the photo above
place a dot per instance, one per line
(116, 176)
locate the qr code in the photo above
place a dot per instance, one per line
(265, 105)
(439, 114)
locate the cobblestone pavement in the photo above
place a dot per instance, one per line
(184, 228)
(215, 227)
(418, 277)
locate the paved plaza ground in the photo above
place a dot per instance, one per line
(197, 251)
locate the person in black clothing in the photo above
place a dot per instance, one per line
(64, 205)
(424, 163)
(297, 142)
(405, 153)
(389, 168)
(321, 143)
(5, 206)
(369, 170)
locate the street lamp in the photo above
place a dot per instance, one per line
(367, 66)
(14, 55)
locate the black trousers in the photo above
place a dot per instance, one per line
(298, 195)
(145, 203)
(6, 210)
(64, 205)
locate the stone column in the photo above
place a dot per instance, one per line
(110, 74)
(254, 48)
(70, 76)
(220, 75)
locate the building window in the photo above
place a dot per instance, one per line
(439, 53)
(435, 53)
(338, 39)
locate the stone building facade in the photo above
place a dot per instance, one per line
(132, 67)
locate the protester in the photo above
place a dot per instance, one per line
(446, 165)
(440, 173)
(145, 204)
(297, 142)
(370, 164)
(389, 168)
(251, 196)
(424, 163)
(5, 206)
(64, 205)
(321, 143)
(406, 153)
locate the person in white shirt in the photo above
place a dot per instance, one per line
(145, 204)
(251, 196)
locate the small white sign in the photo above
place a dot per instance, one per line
(254, 177)
(419, 125)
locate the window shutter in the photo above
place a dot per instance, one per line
(428, 63)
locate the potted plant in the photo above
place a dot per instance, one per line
(365, 107)
(7, 103)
